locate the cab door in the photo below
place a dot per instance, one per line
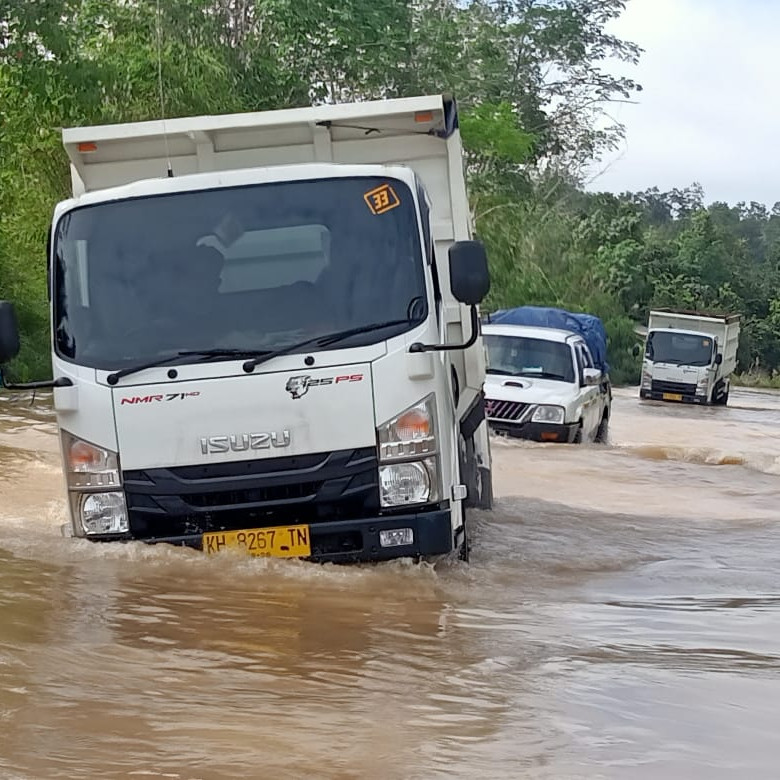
(590, 394)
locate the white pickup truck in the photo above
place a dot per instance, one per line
(547, 377)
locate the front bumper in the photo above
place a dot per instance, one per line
(533, 431)
(348, 541)
(680, 398)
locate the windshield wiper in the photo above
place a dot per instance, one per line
(204, 354)
(321, 341)
(542, 375)
(256, 356)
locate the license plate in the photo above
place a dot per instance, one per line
(672, 397)
(289, 541)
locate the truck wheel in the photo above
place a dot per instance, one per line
(720, 397)
(602, 434)
(477, 480)
(485, 489)
(578, 434)
(464, 551)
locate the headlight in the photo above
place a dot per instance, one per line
(408, 483)
(701, 386)
(88, 466)
(102, 513)
(411, 434)
(549, 414)
(97, 503)
(647, 379)
(409, 463)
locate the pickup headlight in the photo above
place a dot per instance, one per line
(96, 500)
(549, 414)
(408, 456)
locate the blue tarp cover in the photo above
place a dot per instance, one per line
(590, 327)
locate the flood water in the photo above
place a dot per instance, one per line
(620, 618)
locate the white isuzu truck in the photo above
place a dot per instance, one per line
(689, 356)
(265, 333)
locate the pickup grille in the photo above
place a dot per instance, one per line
(510, 411)
(682, 388)
(253, 493)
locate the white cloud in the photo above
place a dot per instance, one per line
(709, 109)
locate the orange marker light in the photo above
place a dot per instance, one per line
(423, 116)
(87, 146)
(414, 424)
(83, 455)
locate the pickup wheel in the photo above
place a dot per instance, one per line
(602, 434)
(578, 434)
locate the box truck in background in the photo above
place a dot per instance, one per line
(689, 356)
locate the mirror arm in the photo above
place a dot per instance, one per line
(418, 347)
(46, 384)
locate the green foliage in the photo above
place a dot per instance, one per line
(491, 133)
(76, 62)
(618, 257)
(532, 86)
(540, 255)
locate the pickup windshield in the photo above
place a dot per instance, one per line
(681, 349)
(252, 268)
(521, 356)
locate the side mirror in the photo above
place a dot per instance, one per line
(718, 359)
(636, 350)
(9, 332)
(591, 376)
(469, 275)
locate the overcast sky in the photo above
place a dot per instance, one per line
(710, 106)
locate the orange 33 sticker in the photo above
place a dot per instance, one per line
(382, 199)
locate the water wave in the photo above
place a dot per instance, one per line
(706, 456)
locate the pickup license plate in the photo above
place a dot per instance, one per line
(289, 541)
(672, 397)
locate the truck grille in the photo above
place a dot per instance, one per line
(254, 493)
(510, 411)
(682, 388)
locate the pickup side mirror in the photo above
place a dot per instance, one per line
(469, 275)
(9, 332)
(718, 359)
(591, 377)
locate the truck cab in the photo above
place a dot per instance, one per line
(275, 348)
(544, 384)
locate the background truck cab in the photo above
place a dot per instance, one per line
(689, 356)
(548, 379)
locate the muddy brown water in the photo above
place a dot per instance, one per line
(620, 618)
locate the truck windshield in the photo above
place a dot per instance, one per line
(682, 349)
(257, 267)
(521, 356)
